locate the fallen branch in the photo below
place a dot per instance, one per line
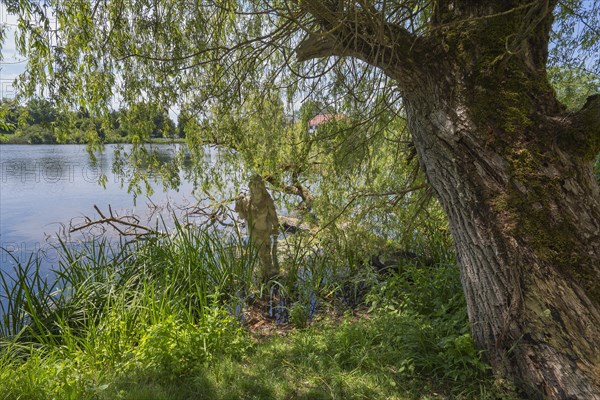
(128, 225)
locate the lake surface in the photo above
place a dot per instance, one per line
(46, 187)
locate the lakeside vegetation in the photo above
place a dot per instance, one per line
(179, 316)
(424, 126)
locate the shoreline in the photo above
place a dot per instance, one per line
(23, 141)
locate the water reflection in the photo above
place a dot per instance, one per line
(43, 187)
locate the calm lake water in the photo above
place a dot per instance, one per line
(46, 187)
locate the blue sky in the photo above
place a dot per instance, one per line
(13, 64)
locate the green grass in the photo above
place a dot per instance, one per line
(397, 357)
(154, 320)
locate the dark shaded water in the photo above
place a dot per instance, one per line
(46, 187)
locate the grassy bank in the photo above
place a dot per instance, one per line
(180, 317)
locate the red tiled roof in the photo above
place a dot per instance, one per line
(322, 118)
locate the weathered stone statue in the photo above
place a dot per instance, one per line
(258, 210)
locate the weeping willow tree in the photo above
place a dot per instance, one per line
(510, 166)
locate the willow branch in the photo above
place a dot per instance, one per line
(363, 34)
(296, 189)
(319, 45)
(581, 133)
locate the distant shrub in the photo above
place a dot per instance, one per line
(37, 134)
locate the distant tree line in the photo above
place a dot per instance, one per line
(38, 121)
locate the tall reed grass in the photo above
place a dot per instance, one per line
(183, 273)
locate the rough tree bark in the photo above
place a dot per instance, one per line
(512, 170)
(525, 218)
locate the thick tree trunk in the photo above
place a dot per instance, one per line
(524, 212)
(511, 169)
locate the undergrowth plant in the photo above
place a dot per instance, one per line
(100, 285)
(423, 313)
(160, 319)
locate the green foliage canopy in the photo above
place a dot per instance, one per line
(233, 67)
